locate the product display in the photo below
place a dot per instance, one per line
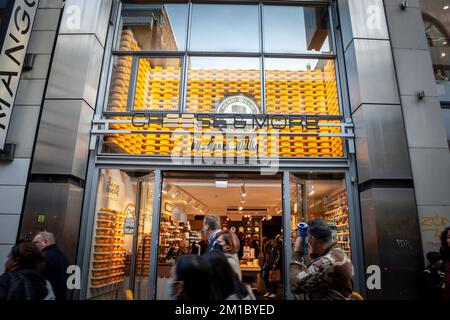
(172, 239)
(337, 215)
(312, 92)
(108, 256)
(252, 237)
(143, 257)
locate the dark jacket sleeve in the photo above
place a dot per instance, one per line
(4, 286)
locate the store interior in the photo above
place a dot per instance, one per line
(248, 204)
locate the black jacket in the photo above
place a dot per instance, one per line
(432, 281)
(55, 271)
(22, 284)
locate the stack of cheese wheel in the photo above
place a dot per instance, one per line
(108, 263)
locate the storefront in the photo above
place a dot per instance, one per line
(237, 110)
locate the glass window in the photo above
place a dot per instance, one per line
(227, 28)
(118, 230)
(321, 197)
(301, 86)
(289, 29)
(120, 82)
(212, 79)
(158, 27)
(158, 84)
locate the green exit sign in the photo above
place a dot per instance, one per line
(41, 218)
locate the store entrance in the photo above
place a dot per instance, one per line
(250, 205)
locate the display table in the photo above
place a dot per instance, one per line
(252, 276)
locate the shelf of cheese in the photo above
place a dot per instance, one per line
(338, 214)
(287, 92)
(108, 257)
(143, 258)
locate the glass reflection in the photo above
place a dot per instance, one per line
(161, 27)
(224, 28)
(290, 29)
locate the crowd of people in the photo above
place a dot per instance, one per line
(36, 270)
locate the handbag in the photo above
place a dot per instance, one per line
(275, 275)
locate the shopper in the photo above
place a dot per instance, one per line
(230, 245)
(445, 252)
(272, 262)
(226, 284)
(191, 279)
(211, 226)
(329, 275)
(433, 278)
(22, 279)
(56, 265)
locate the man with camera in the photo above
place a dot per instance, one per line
(329, 276)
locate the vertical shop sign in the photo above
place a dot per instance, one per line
(13, 49)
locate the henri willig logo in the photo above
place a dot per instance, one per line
(230, 135)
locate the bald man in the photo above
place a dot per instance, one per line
(55, 270)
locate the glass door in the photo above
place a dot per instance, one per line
(145, 200)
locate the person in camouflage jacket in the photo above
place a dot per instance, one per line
(329, 276)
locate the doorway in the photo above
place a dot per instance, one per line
(248, 204)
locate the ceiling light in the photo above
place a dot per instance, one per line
(312, 192)
(187, 201)
(445, 7)
(444, 43)
(443, 54)
(221, 184)
(241, 208)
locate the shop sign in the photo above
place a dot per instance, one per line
(129, 226)
(238, 104)
(113, 190)
(225, 121)
(12, 55)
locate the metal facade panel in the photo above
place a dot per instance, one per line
(381, 145)
(371, 76)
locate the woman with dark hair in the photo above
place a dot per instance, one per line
(225, 282)
(191, 279)
(22, 279)
(229, 244)
(445, 252)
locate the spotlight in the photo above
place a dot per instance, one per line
(243, 191)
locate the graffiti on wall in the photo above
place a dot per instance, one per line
(431, 227)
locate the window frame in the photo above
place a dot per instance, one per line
(185, 54)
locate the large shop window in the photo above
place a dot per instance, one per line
(225, 28)
(154, 28)
(225, 59)
(296, 29)
(121, 239)
(316, 196)
(211, 79)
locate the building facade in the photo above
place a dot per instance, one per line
(132, 120)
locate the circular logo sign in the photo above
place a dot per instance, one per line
(238, 105)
